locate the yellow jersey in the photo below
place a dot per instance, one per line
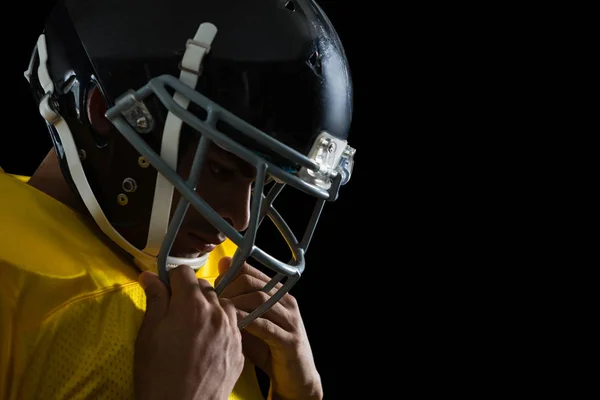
(70, 305)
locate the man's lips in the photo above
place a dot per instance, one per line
(200, 244)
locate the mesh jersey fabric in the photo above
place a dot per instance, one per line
(70, 304)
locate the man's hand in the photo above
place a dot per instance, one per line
(189, 345)
(276, 342)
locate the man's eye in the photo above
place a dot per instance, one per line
(219, 171)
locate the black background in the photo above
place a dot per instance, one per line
(332, 292)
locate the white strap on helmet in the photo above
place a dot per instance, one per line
(72, 156)
(191, 69)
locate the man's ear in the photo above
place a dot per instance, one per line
(96, 107)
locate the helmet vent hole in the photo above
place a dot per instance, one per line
(290, 6)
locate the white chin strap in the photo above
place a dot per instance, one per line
(190, 67)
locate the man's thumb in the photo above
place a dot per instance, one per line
(223, 265)
(157, 298)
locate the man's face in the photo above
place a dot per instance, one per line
(226, 185)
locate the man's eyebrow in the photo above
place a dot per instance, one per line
(246, 169)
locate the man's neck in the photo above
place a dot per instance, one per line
(48, 178)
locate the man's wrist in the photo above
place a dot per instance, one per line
(313, 391)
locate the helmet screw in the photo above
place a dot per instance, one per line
(143, 162)
(129, 185)
(142, 123)
(122, 199)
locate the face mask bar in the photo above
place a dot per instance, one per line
(261, 205)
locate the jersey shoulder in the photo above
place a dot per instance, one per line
(72, 310)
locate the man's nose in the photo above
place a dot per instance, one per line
(236, 210)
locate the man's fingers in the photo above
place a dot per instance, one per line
(266, 330)
(157, 299)
(229, 308)
(244, 284)
(277, 313)
(209, 292)
(225, 263)
(183, 282)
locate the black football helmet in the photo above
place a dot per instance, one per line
(266, 80)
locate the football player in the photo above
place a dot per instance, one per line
(124, 259)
